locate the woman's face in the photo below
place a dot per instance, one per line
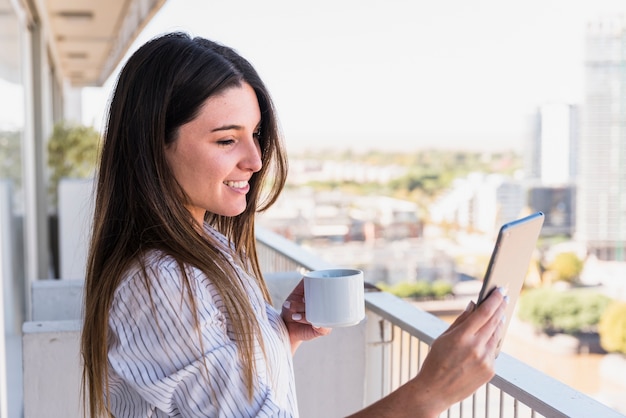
(217, 153)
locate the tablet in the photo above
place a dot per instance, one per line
(510, 260)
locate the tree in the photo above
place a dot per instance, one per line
(566, 267)
(569, 312)
(72, 153)
(10, 156)
(612, 328)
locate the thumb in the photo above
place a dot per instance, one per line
(468, 310)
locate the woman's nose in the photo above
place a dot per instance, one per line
(252, 160)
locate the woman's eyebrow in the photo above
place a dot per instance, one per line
(227, 128)
(231, 127)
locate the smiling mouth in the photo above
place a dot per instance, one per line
(236, 184)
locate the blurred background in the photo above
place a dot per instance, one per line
(414, 130)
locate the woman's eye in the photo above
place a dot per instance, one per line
(257, 133)
(226, 142)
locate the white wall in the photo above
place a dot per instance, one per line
(57, 300)
(330, 373)
(52, 369)
(75, 220)
(6, 278)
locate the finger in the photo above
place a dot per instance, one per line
(495, 339)
(493, 300)
(485, 311)
(291, 312)
(496, 321)
(298, 291)
(289, 316)
(294, 306)
(464, 315)
(299, 317)
(321, 331)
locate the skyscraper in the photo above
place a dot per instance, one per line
(601, 196)
(551, 166)
(552, 150)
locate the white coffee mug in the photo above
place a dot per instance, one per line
(334, 297)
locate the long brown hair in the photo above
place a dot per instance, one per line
(140, 207)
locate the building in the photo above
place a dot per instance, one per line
(601, 195)
(480, 203)
(305, 215)
(552, 152)
(551, 166)
(557, 203)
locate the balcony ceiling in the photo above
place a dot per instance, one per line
(90, 37)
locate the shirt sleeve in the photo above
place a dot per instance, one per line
(154, 350)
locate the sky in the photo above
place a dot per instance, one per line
(397, 75)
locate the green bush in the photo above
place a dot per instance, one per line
(404, 289)
(419, 289)
(612, 328)
(72, 153)
(562, 311)
(383, 286)
(441, 288)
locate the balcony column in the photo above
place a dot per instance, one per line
(377, 376)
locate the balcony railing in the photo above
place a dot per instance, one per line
(399, 337)
(335, 375)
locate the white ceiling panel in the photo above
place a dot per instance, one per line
(90, 37)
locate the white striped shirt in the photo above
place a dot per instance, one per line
(154, 364)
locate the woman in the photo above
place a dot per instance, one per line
(178, 319)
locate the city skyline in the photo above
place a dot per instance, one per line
(398, 75)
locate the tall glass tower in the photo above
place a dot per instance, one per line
(601, 201)
(551, 159)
